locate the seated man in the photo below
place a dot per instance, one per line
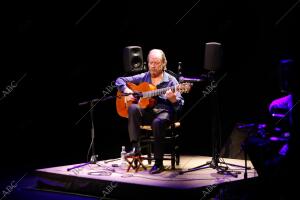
(161, 115)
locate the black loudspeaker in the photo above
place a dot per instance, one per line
(133, 59)
(213, 56)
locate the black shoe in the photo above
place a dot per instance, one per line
(156, 169)
(136, 151)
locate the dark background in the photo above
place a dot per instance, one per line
(70, 51)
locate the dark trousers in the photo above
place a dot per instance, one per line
(159, 122)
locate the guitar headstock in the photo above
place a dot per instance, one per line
(184, 87)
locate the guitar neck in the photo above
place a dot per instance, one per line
(157, 92)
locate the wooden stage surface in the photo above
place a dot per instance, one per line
(105, 180)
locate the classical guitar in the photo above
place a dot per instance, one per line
(144, 93)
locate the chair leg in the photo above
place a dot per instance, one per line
(149, 149)
(174, 152)
(149, 158)
(177, 159)
(177, 155)
(173, 160)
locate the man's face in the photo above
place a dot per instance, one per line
(155, 64)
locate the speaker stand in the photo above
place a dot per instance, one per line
(216, 162)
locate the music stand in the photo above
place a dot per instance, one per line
(212, 63)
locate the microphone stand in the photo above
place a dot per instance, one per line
(93, 159)
(93, 102)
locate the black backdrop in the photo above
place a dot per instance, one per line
(69, 52)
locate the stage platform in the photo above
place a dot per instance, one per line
(106, 181)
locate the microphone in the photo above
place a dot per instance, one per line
(190, 80)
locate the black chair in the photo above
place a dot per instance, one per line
(171, 141)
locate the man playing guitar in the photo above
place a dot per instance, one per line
(168, 101)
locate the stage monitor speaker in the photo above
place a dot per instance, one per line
(133, 59)
(262, 152)
(232, 147)
(213, 56)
